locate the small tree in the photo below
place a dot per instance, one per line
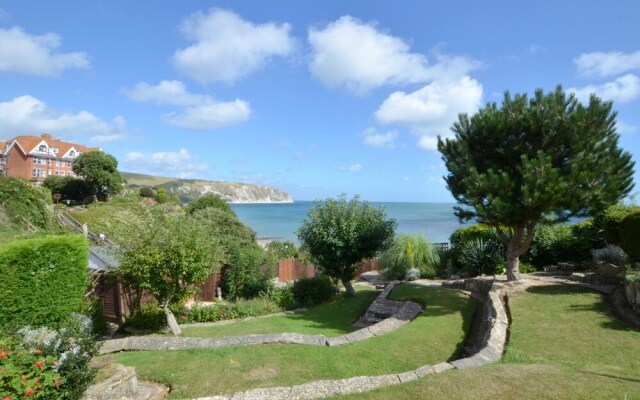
(161, 196)
(340, 234)
(100, 170)
(543, 159)
(407, 252)
(167, 256)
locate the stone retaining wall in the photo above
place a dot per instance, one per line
(406, 313)
(493, 312)
(495, 333)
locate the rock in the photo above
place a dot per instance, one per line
(566, 267)
(609, 271)
(122, 385)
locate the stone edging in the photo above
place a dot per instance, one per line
(406, 313)
(494, 314)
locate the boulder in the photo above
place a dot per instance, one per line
(609, 271)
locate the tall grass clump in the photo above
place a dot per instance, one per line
(410, 252)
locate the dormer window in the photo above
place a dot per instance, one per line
(43, 148)
(55, 150)
(72, 153)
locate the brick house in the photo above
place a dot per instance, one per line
(36, 157)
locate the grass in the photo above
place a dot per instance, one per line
(436, 335)
(330, 319)
(106, 217)
(564, 344)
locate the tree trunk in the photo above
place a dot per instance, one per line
(513, 266)
(171, 320)
(348, 287)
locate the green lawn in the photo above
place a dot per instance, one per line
(564, 344)
(331, 319)
(436, 335)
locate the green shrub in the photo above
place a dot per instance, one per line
(556, 243)
(410, 252)
(92, 308)
(245, 278)
(146, 191)
(150, 317)
(610, 254)
(630, 232)
(474, 232)
(282, 296)
(209, 201)
(70, 188)
(610, 219)
(481, 256)
(48, 364)
(43, 279)
(312, 291)
(225, 311)
(23, 202)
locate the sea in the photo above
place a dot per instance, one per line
(280, 221)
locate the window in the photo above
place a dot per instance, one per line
(38, 160)
(37, 173)
(43, 148)
(69, 173)
(72, 153)
(68, 163)
(55, 150)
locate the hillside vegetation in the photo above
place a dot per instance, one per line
(191, 189)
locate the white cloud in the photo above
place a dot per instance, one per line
(166, 92)
(180, 164)
(624, 128)
(298, 155)
(36, 55)
(374, 138)
(352, 168)
(210, 116)
(201, 112)
(26, 115)
(624, 89)
(117, 132)
(227, 48)
(430, 111)
(355, 55)
(601, 64)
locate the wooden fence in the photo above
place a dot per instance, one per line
(291, 269)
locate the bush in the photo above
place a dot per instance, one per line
(312, 291)
(209, 201)
(92, 308)
(43, 279)
(238, 309)
(555, 243)
(149, 318)
(481, 256)
(412, 274)
(48, 364)
(630, 232)
(462, 236)
(245, 278)
(608, 222)
(410, 252)
(610, 254)
(146, 191)
(282, 296)
(23, 202)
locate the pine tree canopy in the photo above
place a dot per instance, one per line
(548, 156)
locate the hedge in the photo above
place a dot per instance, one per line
(610, 219)
(43, 279)
(630, 232)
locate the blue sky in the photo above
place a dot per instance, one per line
(314, 98)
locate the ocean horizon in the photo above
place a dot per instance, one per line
(279, 221)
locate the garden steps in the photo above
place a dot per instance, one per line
(379, 310)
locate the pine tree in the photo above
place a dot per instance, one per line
(544, 159)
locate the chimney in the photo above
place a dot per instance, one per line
(46, 136)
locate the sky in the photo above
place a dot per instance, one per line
(313, 98)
